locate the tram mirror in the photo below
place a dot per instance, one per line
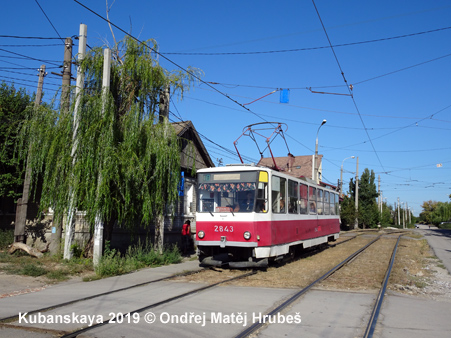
(263, 177)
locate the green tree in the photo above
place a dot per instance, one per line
(387, 215)
(428, 209)
(347, 213)
(13, 112)
(368, 211)
(126, 166)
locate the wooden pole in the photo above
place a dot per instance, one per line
(22, 203)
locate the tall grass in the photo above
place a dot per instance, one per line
(137, 257)
(6, 238)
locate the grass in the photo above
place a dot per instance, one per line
(51, 267)
(140, 256)
(6, 238)
(55, 268)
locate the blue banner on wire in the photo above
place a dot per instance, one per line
(284, 95)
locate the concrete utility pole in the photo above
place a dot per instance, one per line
(341, 174)
(399, 219)
(70, 222)
(356, 225)
(379, 200)
(98, 228)
(22, 203)
(315, 165)
(403, 215)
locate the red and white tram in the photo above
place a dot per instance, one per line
(248, 215)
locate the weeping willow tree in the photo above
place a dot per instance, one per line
(118, 164)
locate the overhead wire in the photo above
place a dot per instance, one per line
(310, 48)
(167, 59)
(347, 85)
(48, 19)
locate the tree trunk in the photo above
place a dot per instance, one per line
(159, 233)
(21, 246)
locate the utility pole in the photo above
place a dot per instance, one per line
(57, 228)
(98, 227)
(356, 224)
(403, 215)
(399, 219)
(379, 192)
(22, 203)
(407, 216)
(70, 222)
(163, 119)
(164, 104)
(67, 72)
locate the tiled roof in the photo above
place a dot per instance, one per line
(300, 165)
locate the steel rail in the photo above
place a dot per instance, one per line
(55, 306)
(380, 298)
(76, 333)
(251, 329)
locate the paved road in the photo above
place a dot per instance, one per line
(440, 241)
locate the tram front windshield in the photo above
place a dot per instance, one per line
(228, 192)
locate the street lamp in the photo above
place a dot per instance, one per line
(341, 174)
(315, 164)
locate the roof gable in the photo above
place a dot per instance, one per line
(186, 132)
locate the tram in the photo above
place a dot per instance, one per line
(250, 215)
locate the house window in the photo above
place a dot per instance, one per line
(189, 199)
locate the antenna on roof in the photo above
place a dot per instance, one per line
(252, 131)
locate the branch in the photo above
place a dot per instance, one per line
(21, 246)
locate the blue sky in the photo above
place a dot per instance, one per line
(397, 121)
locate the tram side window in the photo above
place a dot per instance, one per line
(303, 193)
(332, 204)
(292, 197)
(278, 195)
(337, 205)
(326, 203)
(312, 200)
(319, 202)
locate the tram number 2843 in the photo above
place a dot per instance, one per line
(220, 228)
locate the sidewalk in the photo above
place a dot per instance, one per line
(66, 292)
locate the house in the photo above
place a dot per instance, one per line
(296, 166)
(192, 149)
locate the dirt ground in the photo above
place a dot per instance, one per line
(416, 271)
(14, 285)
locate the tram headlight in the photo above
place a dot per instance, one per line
(201, 234)
(247, 235)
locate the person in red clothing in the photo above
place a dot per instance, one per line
(186, 237)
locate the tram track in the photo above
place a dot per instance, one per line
(141, 309)
(59, 305)
(65, 334)
(251, 330)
